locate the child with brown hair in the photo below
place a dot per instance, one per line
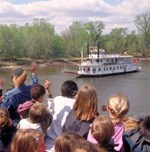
(73, 142)
(117, 107)
(84, 111)
(37, 114)
(7, 130)
(37, 93)
(28, 140)
(102, 130)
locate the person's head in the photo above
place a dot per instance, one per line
(73, 142)
(118, 106)
(102, 130)
(5, 120)
(86, 104)
(69, 89)
(37, 112)
(28, 140)
(37, 92)
(19, 76)
(145, 128)
(63, 141)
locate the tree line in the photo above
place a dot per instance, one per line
(40, 41)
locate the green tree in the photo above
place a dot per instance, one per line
(74, 39)
(9, 41)
(133, 43)
(118, 41)
(38, 39)
(94, 30)
(58, 46)
(142, 23)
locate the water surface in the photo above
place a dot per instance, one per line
(136, 86)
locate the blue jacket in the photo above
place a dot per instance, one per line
(135, 142)
(17, 96)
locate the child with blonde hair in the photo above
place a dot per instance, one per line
(117, 107)
(36, 120)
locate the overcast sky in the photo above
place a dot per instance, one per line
(61, 13)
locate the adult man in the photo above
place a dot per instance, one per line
(20, 93)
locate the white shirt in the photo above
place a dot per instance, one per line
(62, 107)
(26, 124)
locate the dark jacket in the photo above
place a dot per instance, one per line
(7, 135)
(79, 126)
(135, 142)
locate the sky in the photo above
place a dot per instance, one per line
(62, 13)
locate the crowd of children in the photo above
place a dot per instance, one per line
(69, 122)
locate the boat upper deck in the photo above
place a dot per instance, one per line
(102, 56)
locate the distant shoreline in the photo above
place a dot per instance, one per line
(52, 63)
(43, 64)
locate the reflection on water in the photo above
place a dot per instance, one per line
(134, 85)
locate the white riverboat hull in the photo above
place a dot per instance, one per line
(107, 64)
(103, 73)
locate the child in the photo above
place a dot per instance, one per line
(117, 107)
(84, 111)
(37, 93)
(28, 140)
(73, 142)
(7, 130)
(37, 114)
(102, 130)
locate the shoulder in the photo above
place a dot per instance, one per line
(71, 115)
(11, 92)
(63, 100)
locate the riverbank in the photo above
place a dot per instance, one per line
(41, 63)
(46, 63)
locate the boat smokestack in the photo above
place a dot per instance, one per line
(88, 49)
(98, 49)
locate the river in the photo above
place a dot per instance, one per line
(136, 86)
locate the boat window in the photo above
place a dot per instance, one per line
(109, 68)
(94, 70)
